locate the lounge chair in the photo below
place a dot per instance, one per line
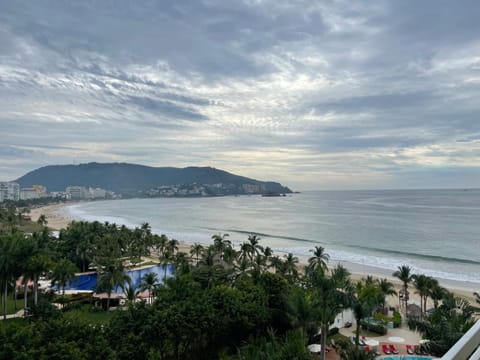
(393, 349)
(386, 350)
(424, 350)
(362, 341)
(410, 349)
(334, 345)
(417, 350)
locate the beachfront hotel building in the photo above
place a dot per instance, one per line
(34, 192)
(9, 191)
(81, 192)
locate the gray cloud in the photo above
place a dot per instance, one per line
(317, 89)
(13, 151)
(165, 108)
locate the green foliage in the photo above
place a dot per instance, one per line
(397, 319)
(376, 328)
(44, 310)
(189, 321)
(349, 352)
(333, 331)
(85, 243)
(53, 339)
(446, 325)
(130, 179)
(220, 303)
(291, 347)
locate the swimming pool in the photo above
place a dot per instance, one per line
(88, 281)
(406, 358)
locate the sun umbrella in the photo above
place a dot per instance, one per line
(314, 348)
(372, 342)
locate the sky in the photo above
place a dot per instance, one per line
(313, 94)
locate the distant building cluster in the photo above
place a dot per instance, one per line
(83, 193)
(186, 190)
(178, 190)
(11, 191)
(253, 188)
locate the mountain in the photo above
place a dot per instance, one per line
(132, 179)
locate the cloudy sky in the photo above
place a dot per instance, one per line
(314, 94)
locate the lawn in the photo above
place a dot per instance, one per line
(11, 305)
(88, 314)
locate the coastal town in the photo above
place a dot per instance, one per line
(11, 191)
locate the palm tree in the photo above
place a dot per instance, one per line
(277, 263)
(422, 283)
(268, 252)
(255, 247)
(229, 255)
(113, 274)
(172, 246)
(196, 250)
(437, 293)
(160, 244)
(387, 289)
(319, 259)
(349, 352)
(290, 266)
(131, 293)
(208, 256)
(446, 325)
(149, 282)
(165, 260)
(35, 266)
(359, 313)
(182, 263)
(368, 297)
(332, 294)
(63, 273)
(301, 311)
(477, 297)
(245, 251)
(9, 245)
(404, 274)
(42, 220)
(220, 242)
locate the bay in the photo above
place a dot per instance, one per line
(436, 232)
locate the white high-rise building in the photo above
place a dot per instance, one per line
(29, 193)
(9, 191)
(76, 192)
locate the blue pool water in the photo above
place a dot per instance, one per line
(89, 281)
(407, 358)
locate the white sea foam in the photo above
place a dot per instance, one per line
(77, 212)
(437, 232)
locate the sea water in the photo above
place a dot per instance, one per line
(436, 232)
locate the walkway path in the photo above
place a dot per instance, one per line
(18, 314)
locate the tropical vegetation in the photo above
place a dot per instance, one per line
(222, 302)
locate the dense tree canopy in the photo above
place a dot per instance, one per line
(222, 302)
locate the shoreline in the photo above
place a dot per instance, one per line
(55, 214)
(58, 218)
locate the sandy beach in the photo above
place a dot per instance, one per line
(58, 218)
(55, 214)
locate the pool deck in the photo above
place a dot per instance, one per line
(410, 338)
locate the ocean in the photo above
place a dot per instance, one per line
(436, 232)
